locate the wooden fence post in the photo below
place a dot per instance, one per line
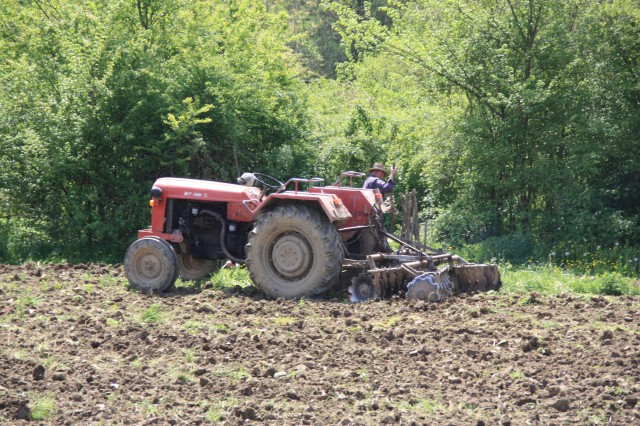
(411, 227)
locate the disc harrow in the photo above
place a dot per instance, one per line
(419, 275)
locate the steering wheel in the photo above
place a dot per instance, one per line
(350, 174)
(353, 174)
(270, 181)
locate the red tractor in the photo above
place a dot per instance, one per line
(294, 242)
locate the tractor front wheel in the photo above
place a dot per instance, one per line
(151, 264)
(293, 252)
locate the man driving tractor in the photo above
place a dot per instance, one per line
(376, 178)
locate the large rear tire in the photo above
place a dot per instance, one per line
(151, 264)
(293, 252)
(192, 269)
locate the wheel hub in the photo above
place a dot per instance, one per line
(150, 266)
(291, 256)
(365, 290)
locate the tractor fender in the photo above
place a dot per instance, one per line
(328, 204)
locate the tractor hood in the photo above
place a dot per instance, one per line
(204, 190)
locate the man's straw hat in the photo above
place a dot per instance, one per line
(379, 167)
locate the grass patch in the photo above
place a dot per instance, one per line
(189, 356)
(516, 375)
(284, 321)
(222, 328)
(549, 279)
(42, 348)
(228, 278)
(183, 376)
(112, 323)
(29, 301)
(44, 286)
(194, 327)
(239, 373)
(219, 409)
(582, 258)
(213, 415)
(109, 281)
(363, 374)
(551, 324)
(601, 325)
(152, 315)
(387, 324)
(427, 406)
(157, 362)
(42, 406)
(151, 409)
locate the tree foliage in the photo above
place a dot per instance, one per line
(100, 98)
(542, 98)
(516, 120)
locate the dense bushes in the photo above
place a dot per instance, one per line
(517, 125)
(101, 98)
(512, 118)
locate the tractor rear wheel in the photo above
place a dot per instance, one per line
(293, 252)
(151, 264)
(192, 269)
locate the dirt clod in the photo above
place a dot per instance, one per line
(561, 405)
(38, 373)
(24, 412)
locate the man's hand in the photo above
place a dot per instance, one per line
(394, 171)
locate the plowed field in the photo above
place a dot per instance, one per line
(78, 347)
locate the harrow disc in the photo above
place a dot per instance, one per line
(426, 287)
(388, 281)
(473, 278)
(362, 288)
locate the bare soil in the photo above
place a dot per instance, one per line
(76, 337)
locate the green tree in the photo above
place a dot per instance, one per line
(537, 117)
(101, 98)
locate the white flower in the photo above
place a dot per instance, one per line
(598, 248)
(617, 244)
(635, 259)
(566, 253)
(586, 254)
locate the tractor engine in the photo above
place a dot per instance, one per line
(208, 235)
